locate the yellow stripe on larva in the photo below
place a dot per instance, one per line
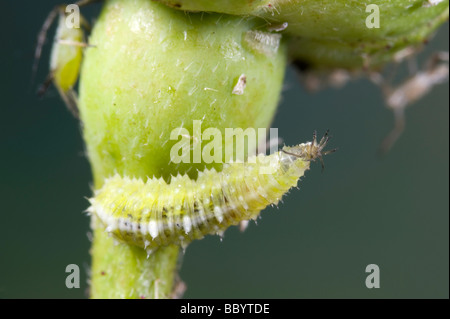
(155, 213)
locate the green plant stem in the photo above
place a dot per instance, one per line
(125, 271)
(152, 70)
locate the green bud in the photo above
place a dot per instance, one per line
(341, 33)
(154, 69)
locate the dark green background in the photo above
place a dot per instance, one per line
(391, 211)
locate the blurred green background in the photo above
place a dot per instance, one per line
(391, 211)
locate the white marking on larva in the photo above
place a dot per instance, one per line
(111, 222)
(143, 228)
(263, 42)
(120, 225)
(243, 225)
(240, 85)
(187, 224)
(218, 213)
(202, 215)
(153, 229)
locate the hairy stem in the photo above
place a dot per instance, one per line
(150, 71)
(125, 271)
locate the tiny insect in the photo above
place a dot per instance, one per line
(156, 213)
(66, 54)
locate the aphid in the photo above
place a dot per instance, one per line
(155, 213)
(66, 54)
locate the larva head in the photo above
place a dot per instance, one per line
(311, 151)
